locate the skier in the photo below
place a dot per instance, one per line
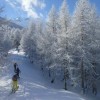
(17, 72)
(94, 88)
(15, 67)
(14, 83)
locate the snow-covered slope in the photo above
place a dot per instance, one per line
(31, 84)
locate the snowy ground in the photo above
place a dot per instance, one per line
(31, 85)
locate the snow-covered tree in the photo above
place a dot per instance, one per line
(28, 41)
(62, 50)
(16, 37)
(51, 37)
(83, 26)
(40, 41)
(7, 38)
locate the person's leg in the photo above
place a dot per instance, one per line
(14, 86)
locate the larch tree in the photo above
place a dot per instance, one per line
(83, 37)
(28, 43)
(51, 29)
(62, 54)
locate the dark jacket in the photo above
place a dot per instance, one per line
(15, 67)
(18, 71)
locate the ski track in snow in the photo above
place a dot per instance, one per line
(31, 83)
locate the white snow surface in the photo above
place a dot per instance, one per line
(31, 84)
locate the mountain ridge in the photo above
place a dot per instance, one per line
(10, 23)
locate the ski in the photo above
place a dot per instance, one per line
(13, 91)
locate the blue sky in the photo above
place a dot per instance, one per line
(15, 9)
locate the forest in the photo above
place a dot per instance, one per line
(67, 46)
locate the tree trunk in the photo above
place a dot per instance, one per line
(65, 79)
(82, 76)
(49, 72)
